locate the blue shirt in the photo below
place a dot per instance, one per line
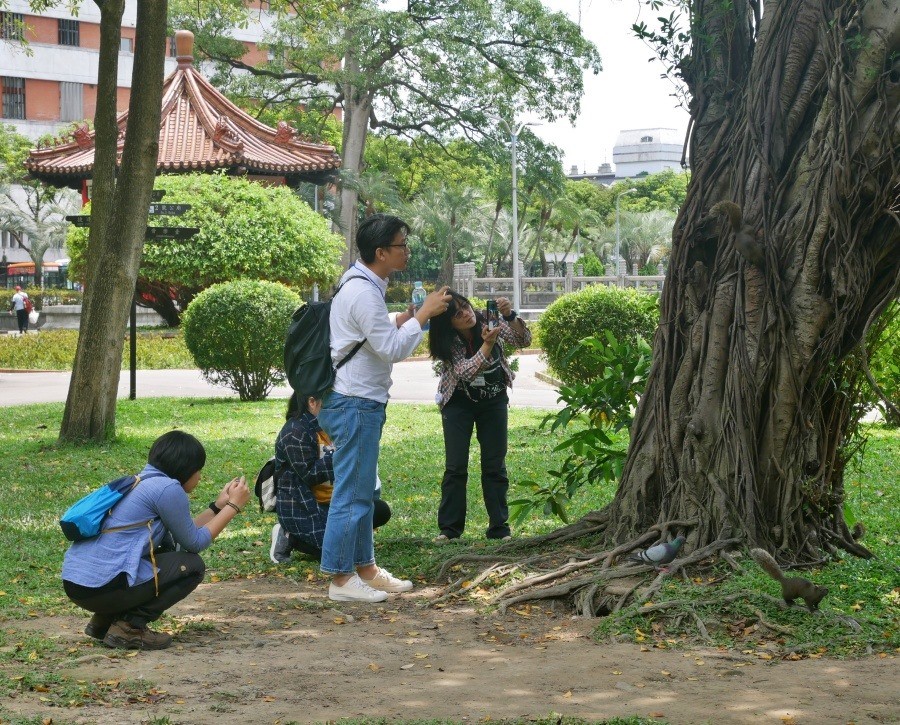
(160, 500)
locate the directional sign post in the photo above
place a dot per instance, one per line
(79, 220)
(182, 233)
(151, 235)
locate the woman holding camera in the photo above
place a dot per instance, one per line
(472, 393)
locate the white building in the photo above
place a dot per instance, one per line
(643, 151)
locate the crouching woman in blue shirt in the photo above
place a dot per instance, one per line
(126, 576)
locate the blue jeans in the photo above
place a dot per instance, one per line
(354, 425)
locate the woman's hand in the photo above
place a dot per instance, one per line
(489, 339)
(225, 493)
(238, 493)
(504, 306)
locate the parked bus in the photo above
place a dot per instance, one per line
(55, 274)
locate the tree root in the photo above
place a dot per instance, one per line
(769, 625)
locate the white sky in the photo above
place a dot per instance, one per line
(627, 94)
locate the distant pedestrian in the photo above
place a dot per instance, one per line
(20, 304)
(472, 394)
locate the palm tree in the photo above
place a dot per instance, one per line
(377, 190)
(35, 216)
(452, 221)
(645, 237)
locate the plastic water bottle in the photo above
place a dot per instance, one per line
(418, 297)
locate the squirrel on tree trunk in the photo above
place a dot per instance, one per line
(791, 587)
(746, 241)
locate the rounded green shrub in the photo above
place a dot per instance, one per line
(626, 313)
(235, 332)
(884, 363)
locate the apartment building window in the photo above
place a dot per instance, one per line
(68, 32)
(13, 97)
(12, 26)
(646, 139)
(8, 240)
(71, 101)
(126, 45)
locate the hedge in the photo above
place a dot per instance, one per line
(626, 313)
(236, 331)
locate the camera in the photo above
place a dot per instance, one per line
(492, 315)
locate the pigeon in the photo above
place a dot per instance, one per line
(659, 555)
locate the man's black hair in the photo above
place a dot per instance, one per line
(177, 454)
(376, 231)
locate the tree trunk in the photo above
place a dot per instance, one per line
(742, 427)
(118, 217)
(158, 297)
(357, 112)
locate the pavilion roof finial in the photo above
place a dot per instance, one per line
(184, 48)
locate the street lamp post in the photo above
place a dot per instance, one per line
(517, 284)
(618, 232)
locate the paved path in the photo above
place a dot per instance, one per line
(414, 382)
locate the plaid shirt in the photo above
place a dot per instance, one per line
(301, 466)
(462, 368)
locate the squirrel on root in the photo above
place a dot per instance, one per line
(792, 587)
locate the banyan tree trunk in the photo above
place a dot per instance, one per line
(742, 427)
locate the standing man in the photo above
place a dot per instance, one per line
(18, 304)
(353, 413)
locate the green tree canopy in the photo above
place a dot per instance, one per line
(247, 231)
(441, 69)
(31, 211)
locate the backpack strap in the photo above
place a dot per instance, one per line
(362, 342)
(148, 523)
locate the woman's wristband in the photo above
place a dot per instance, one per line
(511, 317)
(234, 506)
(212, 507)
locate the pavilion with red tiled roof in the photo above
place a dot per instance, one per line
(200, 130)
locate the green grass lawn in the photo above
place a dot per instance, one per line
(157, 349)
(41, 478)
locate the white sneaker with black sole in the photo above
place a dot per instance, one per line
(280, 550)
(355, 590)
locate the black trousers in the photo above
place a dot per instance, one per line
(179, 573)
(490, 418)
(22, 319)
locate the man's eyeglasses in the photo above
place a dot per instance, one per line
(404, 245)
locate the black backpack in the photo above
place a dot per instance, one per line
(307, 348)
(266, 489)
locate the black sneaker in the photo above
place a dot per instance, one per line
(122, 635)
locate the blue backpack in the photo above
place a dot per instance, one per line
(84, 518)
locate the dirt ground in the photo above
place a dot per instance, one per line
(273, 651)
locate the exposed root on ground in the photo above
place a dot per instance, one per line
(593, 579)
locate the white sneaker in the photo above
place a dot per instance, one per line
(387, 582)
(280, 551)
(355, 590)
